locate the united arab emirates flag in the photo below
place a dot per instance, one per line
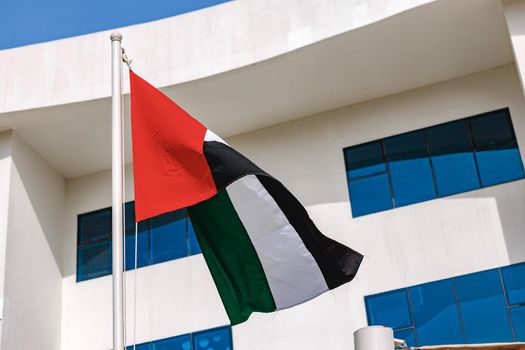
(263, 251)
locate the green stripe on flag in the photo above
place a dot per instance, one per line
(231, 258)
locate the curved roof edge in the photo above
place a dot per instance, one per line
(179, 49)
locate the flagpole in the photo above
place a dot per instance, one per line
(117, 185)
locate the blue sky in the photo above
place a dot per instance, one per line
(24, 22)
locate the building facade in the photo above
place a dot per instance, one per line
(400, 126)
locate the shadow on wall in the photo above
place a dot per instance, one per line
(33, 261)
(474, 157)
(493, 216)
(510, 202)
(44, 189)
(483, 228)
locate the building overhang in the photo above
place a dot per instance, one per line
(439, 41)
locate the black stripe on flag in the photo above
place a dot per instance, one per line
(228, 165)
(337, 262)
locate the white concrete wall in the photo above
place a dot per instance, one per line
(445, 237)
(172, 298)
(5, 176)
(33, 280)
(181, 48)
(515, 17)
(441, 238)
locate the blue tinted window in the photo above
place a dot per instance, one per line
(436, 313)
(94, 261)
(216, 339)
(409, 167)
(129, 218)
(449, 138)
(467, 309)
(146, 346)
(364, 160)
(452, 158)
(411, 181)
(168, 237)
(483, 307)
(192, 240)
(182, 342)
(438, 161)
(370, 195)
(492, 128)
(514, 280)
(94, 226)
(143, 258)
(94, 245)
(499, 164)
(212, 339)
(518, 320)
(143, 255)
(407, 335)
(455, 173)
(389, 309)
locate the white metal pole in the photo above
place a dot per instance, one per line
(117, 183)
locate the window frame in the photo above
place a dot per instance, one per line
(363, 177)
(508, 306)
(190, 250)
(473, 148)
(192, 336)
(90, 243)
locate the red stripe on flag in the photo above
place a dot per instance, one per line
(169, 166)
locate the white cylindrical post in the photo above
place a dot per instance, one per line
(117, 184)
(374, 338)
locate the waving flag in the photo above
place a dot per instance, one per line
(263, 250)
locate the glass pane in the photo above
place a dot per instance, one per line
(168, 237)
(182, 342)
(94, 226)
(436, 313)
(455, 173)
(501, 164)
(492, 128)
(94, 261)
(449, 138)
(514, 280)
(406, 146)
(146, 346)
(452, 158)
(389, 309)
(129, 218)
(364, 160)
(143, 256)
(407, 335)
(409, 168)
(216, 339)
(483, 307)
(370, 195)
(192, 240)
(518, 320)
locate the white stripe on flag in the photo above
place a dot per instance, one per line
(292, 272)
(211, 136)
